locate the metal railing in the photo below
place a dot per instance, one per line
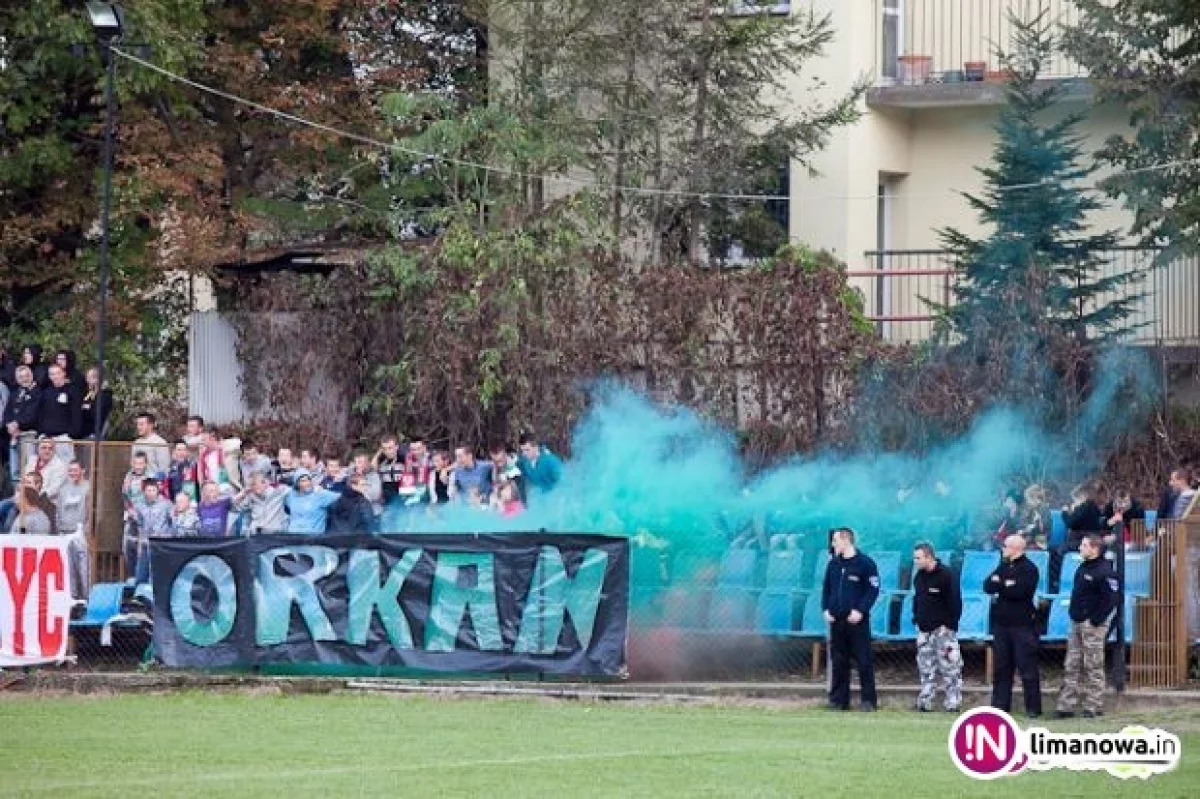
(954, 41)
(900, 285)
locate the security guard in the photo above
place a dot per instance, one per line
(850, 590)
(1093, 600)
(937, 609)
(1014, 627)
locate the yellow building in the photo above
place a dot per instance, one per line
(888, 183)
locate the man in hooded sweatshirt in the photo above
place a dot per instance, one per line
(308, 506)
(353, 512)
(60, 411)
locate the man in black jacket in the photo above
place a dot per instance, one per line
(60, 411)
(850, 590)
(1014, 627)
(353, 512)
(21, 416)
(937, 608)
(1093, 600)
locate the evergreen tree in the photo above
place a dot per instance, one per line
(1039, 276)
(1144, 55)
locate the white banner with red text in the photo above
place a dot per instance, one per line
(35, 599)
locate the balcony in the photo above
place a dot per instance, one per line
(941, 53)
(898, 282)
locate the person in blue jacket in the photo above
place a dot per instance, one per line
(308, 506)
(541, 468)
(850, 590)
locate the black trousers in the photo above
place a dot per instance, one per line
(1016, 649)
(846, 642)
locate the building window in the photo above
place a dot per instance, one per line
(892, 30)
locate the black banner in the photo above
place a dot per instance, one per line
(528, 603)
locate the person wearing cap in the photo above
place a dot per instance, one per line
(308, 506)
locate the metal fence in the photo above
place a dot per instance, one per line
(747, 613)
(955, 41)
(902, 285)
(757, 616)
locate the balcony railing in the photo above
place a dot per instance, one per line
(922, 42)
(899, 284)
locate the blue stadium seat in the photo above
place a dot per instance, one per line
(730, 609)
(813, 624)
(977, 565)
(818, 575)
(738, 568)
(775, 612)
(683, 606)
(1059, 626)
(1137, 573)
(1130, 618)
(908, 630)
(974, 623)
(1041, 559)
(1070, 565)
(881, 616)
(784, 569)
(1058, 529)
(104, 602)
(888, 564)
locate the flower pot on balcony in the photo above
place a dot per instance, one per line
(998, 76)
(914, 69)
(974, 71)
(953, 76)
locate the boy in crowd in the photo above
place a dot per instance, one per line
(131, 491)
(184, 519)
(310, 461)
(470, 474)
(360, 466)
(20, 417)
(414, 484)
(308, 506)
(285, 467)
(505, 470)
(353, 512)
(72, 517)
(153, 519)
(541, 467)
(255, 462)
(158, 452)
(52, 469)
(213, 511)
(181, 477)
(193, 434)
(265, 504)
(335, 476)
(390, 468)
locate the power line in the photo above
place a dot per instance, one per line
(582, 182)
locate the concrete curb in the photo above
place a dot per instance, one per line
(892, 696)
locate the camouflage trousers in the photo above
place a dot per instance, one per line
(1083, 671)
(939, 661)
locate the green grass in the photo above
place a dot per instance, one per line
(199, 745)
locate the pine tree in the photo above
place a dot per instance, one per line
(1039, 276)
(1142, 55)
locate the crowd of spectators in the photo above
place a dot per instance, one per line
(205, 485)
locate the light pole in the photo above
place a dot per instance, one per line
(108, 21)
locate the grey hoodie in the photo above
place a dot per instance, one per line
(267, 513)
(72, 506)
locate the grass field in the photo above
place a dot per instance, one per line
(198, 744)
